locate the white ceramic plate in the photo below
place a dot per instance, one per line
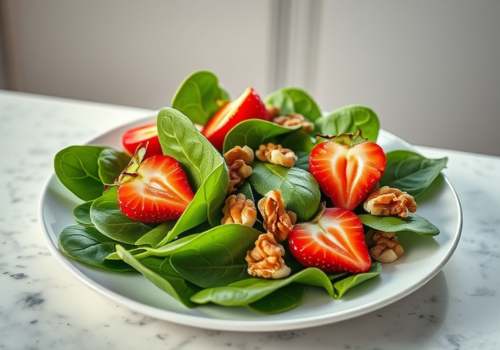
(424, 258)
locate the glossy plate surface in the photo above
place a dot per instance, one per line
(424, 258)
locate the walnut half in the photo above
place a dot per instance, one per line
(276, 154)
(276, 219)
(265, 260)
(239, 161)
(295, 119)
(387, 248)
(239, 210)
(388, 201)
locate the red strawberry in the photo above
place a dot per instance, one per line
(247, 106)
(335, 242)
(154, 190)
(141, 136)
(347, 174)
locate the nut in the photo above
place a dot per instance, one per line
(239, 210)
(239, 161)
(265, 260)
(276, 154)
(387, 248)
(244, 153)
(388, 201)
(272, 111)
(292, 120)
(276, 219)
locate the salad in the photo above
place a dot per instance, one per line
(246, 202)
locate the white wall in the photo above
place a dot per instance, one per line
(431, 69)
(135, 52)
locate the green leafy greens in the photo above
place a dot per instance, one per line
(293, 100)
(88, 246)
(411, 172)
(110, 164)
(413, 223)
(349, 119)
(253, 132)
(76, 167)
(109, 220)
(299, 188)
(161, 274)
(215, 257)
(248, 291)
(199, 96)
(180, 139)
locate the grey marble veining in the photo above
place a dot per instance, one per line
(43, 307)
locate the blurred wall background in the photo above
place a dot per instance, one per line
(430, 69)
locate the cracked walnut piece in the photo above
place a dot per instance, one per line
(272, 111)
(265, 260)
(388, 201)
(295, 119)
(276, 154)
(387, 248)
(239, 161)
(239, 210)
(276, 219)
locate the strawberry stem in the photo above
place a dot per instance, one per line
(346, 139)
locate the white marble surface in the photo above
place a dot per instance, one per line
(43, 307)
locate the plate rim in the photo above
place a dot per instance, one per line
(240, 325)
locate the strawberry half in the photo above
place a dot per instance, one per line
(347, 174)
(154, 190)
(334, 242)
(142, 135)
(247, 106)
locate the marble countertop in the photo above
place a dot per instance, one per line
(42, 306)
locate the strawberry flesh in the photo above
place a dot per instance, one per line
(158, 191)
(141, 136)
(335, 242)
(247, 106)
(346, 174)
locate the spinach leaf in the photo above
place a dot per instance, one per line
(215, 257)
(76, 168)
(349, 119)
(205, 203)
(413, 223)
(248, 291)
(344, 285)
(155, 235)
(161, 274)
(411, 172)
(180, 139)
(110, 164)
(199, 96)
(284, 299)
(299, 188)
(109, 220)
(246, 189)
(253, 132)
(337, 276)
(302, 144)
(293, 100)
(163, 251)
(81, 213)
(86, 245)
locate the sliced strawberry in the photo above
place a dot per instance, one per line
(156, 191)
(347, 174)
(335, 242)
(247, 106)
(141, 136)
